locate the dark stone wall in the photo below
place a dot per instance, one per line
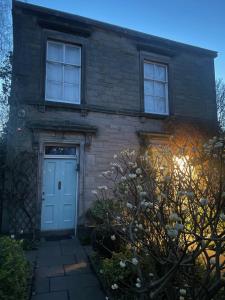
(112, 91)
(112, 69)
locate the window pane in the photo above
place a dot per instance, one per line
(55, 51)
(72, 74)
(149, 87)
(60, 150)
(72, 93)
(160, 73)
(159, 89)
(148, 71)
(54, 71)
(160, 105)
(53, 90)
(149, 104)
(72, 55)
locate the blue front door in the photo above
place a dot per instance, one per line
(59, 194)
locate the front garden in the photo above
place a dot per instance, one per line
(160, 222)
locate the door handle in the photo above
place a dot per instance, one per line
(59, 185)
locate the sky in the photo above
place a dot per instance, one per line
(197, 22)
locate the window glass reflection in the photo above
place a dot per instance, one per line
(60, 150)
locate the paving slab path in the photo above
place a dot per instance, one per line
(63, 273)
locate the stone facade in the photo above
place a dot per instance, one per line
(111, 112)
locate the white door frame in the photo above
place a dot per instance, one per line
(75, 157)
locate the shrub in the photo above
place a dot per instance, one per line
(170, 216)
(13, 270)
(98, 212)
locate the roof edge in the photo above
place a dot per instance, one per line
(130, 33)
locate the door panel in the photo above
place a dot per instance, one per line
(59, 194)
(68, 192)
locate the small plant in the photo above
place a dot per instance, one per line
(14, 270)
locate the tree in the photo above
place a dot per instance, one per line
(220, 101)
(169, 218)
(5, 80)
(5, 84)
(5, 28)
(5, 58)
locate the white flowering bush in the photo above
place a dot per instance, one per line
(170, 217)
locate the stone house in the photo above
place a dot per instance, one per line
(83, 90)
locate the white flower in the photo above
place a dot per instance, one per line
(222, 216)
(123, 178)
(150, 204)
(218, 145)
(116, 165)
(183, 292)
(122, 264)
(134, 261)
(12, 236)
(113, 237)
(138, 279)
(103, 187)
(129, 205)
(151, 275)
(143, 194)
(138, 285)
(203, 201)
(144, 203)
(94, 192)
(139, 188)
(115, 156)
(140, 226)
(147, 204)
(114, 286)
(138, 171)
(212, 261)
(172, 233)
(132, 176)
(174, 217)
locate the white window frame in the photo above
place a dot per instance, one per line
(166, 113)
(64, 64)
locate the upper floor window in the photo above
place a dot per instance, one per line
(63, 72)
(155, 88)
